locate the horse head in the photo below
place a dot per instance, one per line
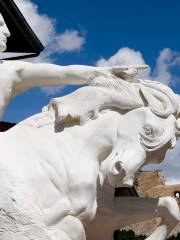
(142, 138)
(145, 134)
(148, 122)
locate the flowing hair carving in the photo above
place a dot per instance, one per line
(158, 97)
(106, 93)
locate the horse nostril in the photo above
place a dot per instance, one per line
(118, 166)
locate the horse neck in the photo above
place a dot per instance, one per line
(94, 139)
(99, 135)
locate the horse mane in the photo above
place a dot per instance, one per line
(161, 100)
(106, 93)
(158, 97)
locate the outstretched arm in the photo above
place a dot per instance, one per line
(44, 74)
(20, 76)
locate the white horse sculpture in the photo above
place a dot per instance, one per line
(147, 122)
(89, 134)
(107, 130)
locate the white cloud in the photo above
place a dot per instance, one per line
(70, 41)
(45, 28)
(124, 56)
(166, 61)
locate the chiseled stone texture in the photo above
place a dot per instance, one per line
(19, 217)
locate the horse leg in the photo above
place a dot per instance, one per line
(116, 213)
(69, 228)
(168, 210)
(57, 212)
(54, 234)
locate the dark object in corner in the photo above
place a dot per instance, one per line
(22, 39)
(4, 126)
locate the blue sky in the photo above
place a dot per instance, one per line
(147, 26)
(105, 26)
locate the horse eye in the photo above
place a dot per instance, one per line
(148, 130)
